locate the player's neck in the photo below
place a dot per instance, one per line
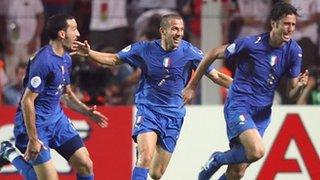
(57, 47)
(166, 46)
(274, 41)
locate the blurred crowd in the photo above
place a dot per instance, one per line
(110, 25)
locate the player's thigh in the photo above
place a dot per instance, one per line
(160, 161)
(80, 157)
(146, 142)
(251, 140)
(46, 171)
(236, 171)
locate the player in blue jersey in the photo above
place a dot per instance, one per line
(166, 66)
(262, 60)
(40, 123)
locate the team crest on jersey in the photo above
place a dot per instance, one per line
(35, 81)
(273, 60)
(166, 62)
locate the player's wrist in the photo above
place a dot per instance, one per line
(192, 86)
(33, 139)
(89, 53)
(88, 111)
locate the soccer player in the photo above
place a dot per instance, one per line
(166, 66)
(262, 60)
(40, 123)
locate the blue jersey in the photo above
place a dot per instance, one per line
(260, 68)
(164, 74)
(47, 74)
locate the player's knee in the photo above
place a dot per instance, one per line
(256, 154)
(145, 159)
(156, 174)
(235, 174)
(85, 166)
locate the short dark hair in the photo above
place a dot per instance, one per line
(164, 23)
(56, 23)
(281, 9)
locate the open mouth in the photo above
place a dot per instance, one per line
(176, 40)
(286, 36)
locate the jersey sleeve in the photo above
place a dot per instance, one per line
(131, 54)
(237, 47)
(295, 56)
(37, 75)
(198, 56)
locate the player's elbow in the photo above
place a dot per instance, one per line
(26, 103)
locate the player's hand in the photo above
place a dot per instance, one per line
(80, 48)
(33, 150)
(99, 118)
(303, 79)
(187, 94)
(312, 82)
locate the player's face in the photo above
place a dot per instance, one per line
(284, 28)
(173, 34)
(71, 34)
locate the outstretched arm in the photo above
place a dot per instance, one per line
(296, 85)
(189, 91)
(83, 49)
(74, 103)
(220, 78)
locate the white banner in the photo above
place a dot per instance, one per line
(291, 141)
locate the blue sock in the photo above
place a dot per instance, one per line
(223, 177)
(24, 168)
(84, 177)
(235, 155)
(140, 173)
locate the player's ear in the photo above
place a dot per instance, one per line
(161, 30)
(62, 34)
(273, 23)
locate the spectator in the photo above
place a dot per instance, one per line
(119, 91)
(108, 22)
(3, 79)
(12, 92)
(118, 84)
(194, 24)
(137, 7)
(82, 14)
(253, 15)
(147, 25)
(24, 21)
